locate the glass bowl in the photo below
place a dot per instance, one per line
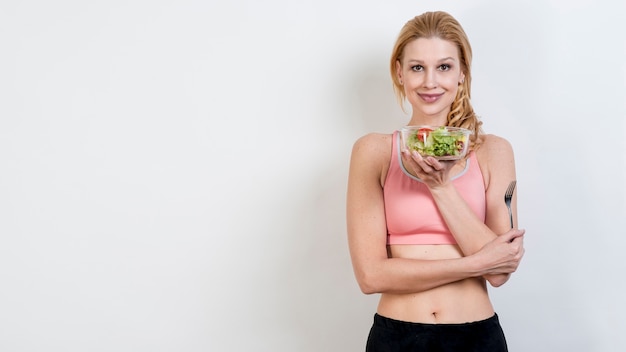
(440, 142)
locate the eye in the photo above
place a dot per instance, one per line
(417, 68)
(444, 67)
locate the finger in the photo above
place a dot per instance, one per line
(407, 158)
(512, 235)
(519, 236)
(434, 163)
(417, 156)
(421, 162)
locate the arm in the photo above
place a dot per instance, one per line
(498, 167)
(367, 232)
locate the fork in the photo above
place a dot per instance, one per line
(507, 198)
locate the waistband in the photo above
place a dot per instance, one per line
(406, 326)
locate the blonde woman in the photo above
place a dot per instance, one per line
(425, 234)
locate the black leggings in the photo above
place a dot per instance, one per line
(389, 335)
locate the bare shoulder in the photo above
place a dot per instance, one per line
(373, 144)
(494, 149)
(496, 159)
(371, 155)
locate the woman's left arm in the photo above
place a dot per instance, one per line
(497, 164)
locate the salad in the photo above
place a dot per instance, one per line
(438, 142)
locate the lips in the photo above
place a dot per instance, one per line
(430, 98)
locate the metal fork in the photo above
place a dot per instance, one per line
(507, 198)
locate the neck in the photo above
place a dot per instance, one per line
(431, 121)
(418, 118)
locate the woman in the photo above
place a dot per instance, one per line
(427, 234)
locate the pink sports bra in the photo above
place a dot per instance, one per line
(410, 210)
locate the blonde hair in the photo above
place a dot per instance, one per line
(442, 25)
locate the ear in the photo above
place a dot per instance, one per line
(461, 78)
(399, 70)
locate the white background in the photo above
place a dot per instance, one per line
(173, 173)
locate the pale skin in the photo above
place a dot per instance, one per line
(432, 283)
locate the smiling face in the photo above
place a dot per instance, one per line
(430, 72)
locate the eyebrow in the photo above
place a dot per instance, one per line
(440, 60)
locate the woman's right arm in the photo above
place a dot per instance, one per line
(367, 232)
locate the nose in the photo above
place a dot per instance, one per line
(430, 79)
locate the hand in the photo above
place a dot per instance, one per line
(503, 254)
(431, 171)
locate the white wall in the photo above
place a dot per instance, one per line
(173, 173)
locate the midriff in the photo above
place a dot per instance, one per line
(458, 302)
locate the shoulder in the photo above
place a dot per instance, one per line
(371, 154)
(372, 143)
(495, 157)
(494, 148)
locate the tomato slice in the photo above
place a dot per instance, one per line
(422, 133)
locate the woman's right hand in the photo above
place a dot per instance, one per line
(501, 257)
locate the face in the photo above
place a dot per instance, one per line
(430, 73)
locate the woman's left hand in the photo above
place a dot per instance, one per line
(434, 173)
